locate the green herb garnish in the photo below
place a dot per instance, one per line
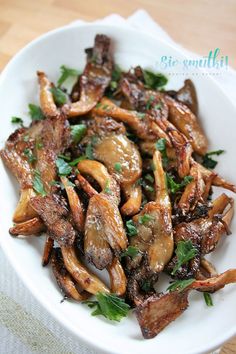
(117, 167)
(208, 162)
(107, 187)
(38, 184)
(154, 80)
(144, 218)
(161, 146)
(131, 228)
(208, 299)
(146, 286)
(130, 251)
(180, 285)
(63, 167)
(58, 96)
(77, 132)
(149, 102)
(17, 120)
(140, 115)
(35, 112)
(64, 157)
(77, 160)
(65, 74)
(185, 251)
(110, 306)
(28, 153)
(149, 178)
(39, 145)
(175, 187)
(89, 151)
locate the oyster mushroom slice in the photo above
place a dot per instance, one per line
(103, 225)
(80, 274)
(123, 161)
(95, 78)
(47, 103)
(64, 279)
(118, 150)
(117, 277)
(154, 228)
(186, 121)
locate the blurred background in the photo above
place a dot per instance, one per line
(198, 25)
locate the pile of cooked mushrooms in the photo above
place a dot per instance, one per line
(116, 173)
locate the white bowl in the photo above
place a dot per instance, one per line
(200, 329)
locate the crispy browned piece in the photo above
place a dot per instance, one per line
(64, 279)
(156, 313)
(206, 232)
(95, 78)
(153, 223)
(187, 95)
(27, 228)
(47, 251)
(53, 211)
(103, 226)
(117, 277)
(75, 204)
(80, 274)
(185, 120)
(54, 139)
(47, 103)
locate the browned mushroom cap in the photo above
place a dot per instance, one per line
(182, 117)
(47, 251)
(80, 274)
(156, 313)
(188, 95)
(123, 161)
(75, 205)
(206, 232)
(30, 227)
(47, 103)
(64, 279)
(15, 159)
(153, 223)
(117, 277)
(118, 150)
(95, 78)
(53, 211)
(103, 230)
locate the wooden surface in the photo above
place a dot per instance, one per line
(199, 25)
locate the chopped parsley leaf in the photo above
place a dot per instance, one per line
(110, 306)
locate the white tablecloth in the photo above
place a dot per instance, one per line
(25, 327)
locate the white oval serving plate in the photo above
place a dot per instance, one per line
(200, 329)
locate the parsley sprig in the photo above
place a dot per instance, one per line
(174, 186)
(185, 251)
(208, 161)
(180, 285)
(110, 306)
(65, 74)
